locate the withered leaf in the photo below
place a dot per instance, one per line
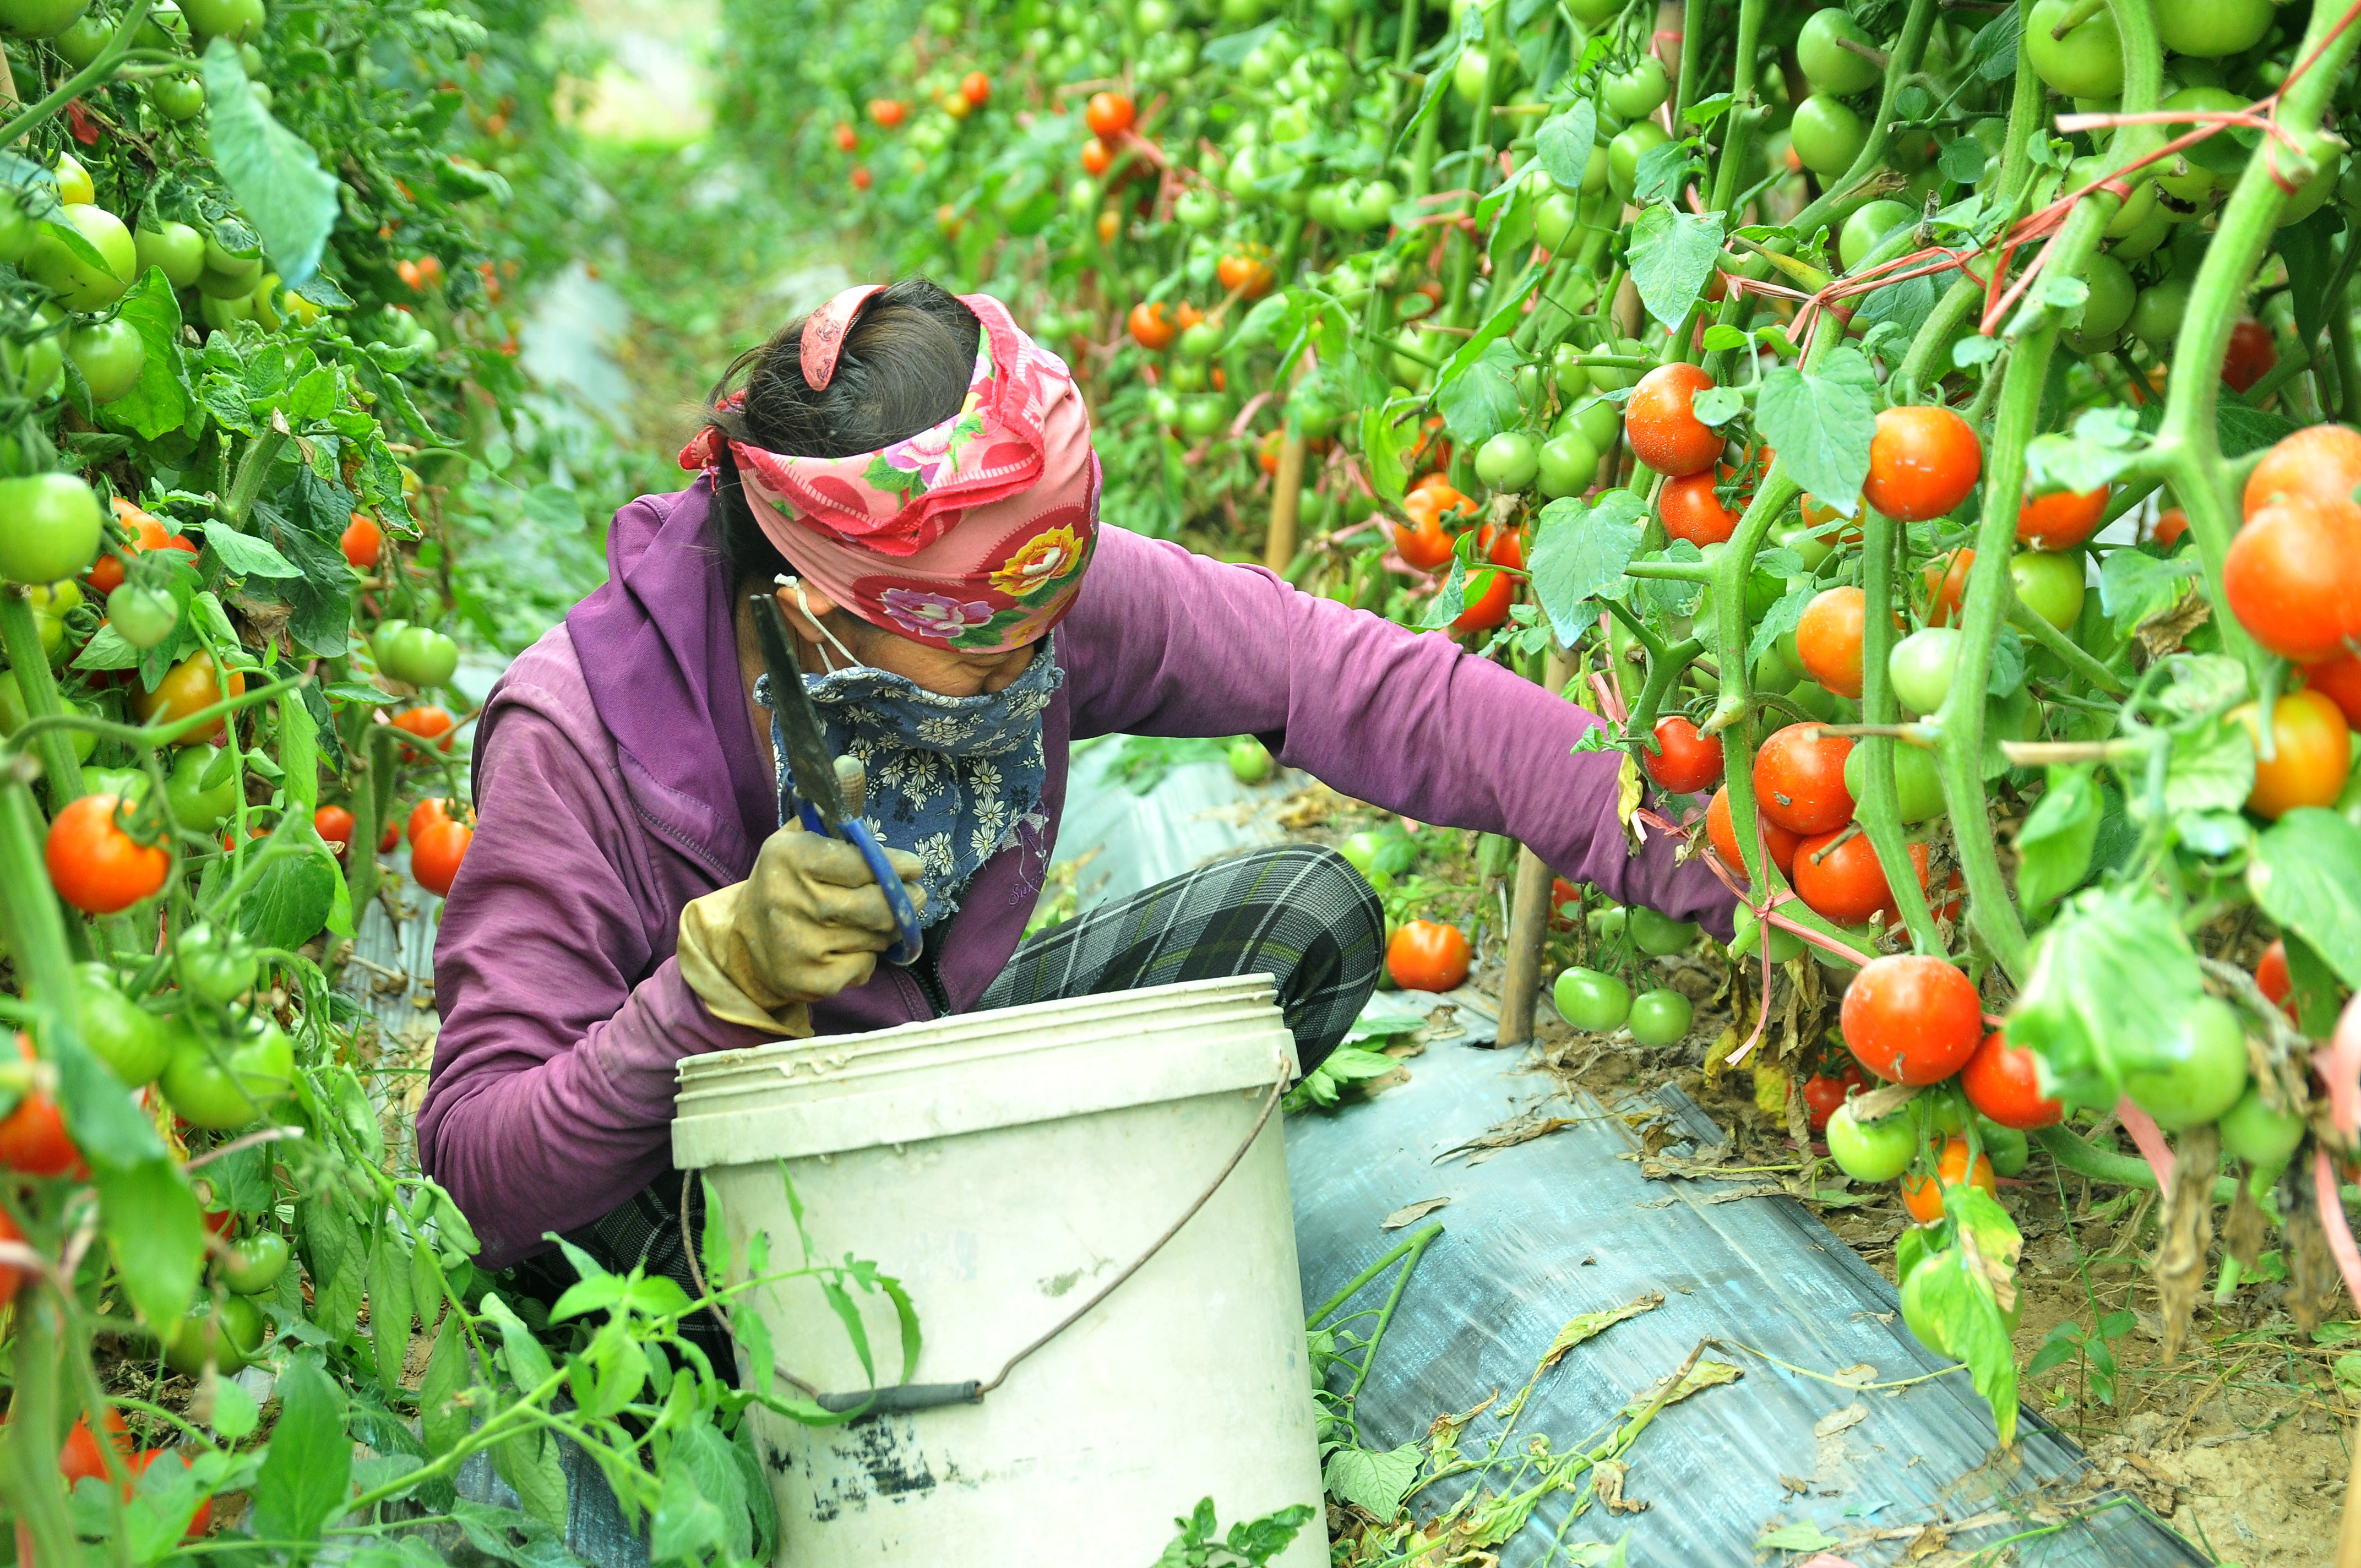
(1411, 1214)
(1852, 1415)
(2188, 1233)
(1707, 1374)
(1607, 1479)
(1590, 1325)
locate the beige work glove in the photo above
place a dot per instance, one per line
(807, 924)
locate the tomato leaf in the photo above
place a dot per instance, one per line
(2134, 585)
(2111, 991)
(1822, 423)
(1373, 1480)
(304, 1475)
(1381, 452)
(162, 401)
(1564, 142)
(1663, 170)
(1480, 401)
(702, 1504)
(290, 201)
(1672, 255)
(442, 1421)
(287, 903)
(1450, 602)
(2213, 769)
(155, 1232)
(529, 1462)
(2054, 846)
(391, 1305)
(1905, 304)
(1959, 1302)
(1579, 553)
(1780, 618)
(2306, 874)
(244, 556)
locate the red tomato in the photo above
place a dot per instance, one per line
(335, 824)
(147, 533)
(427, 814)
(81, 1458)
(1692, 512)
(1911, 1019)
(1501, 546)
(2323, 461)
(1248, 274)
(2002, 1082)
(1923, 461)
(2314, 754)
(389, 839)
(1687, 762)
(2340, 681)
(1151, 326)
(847, 138)
(1425, 544)
(2293, 576)
(33, 1140)
(1427, 955)
(10, 1276)
(1947, 582)
(888, 112)
(1664, 429)
(1777, 842)
(1108, 113)
(1822, 1095)
(202, 1520)
(2062, 520)
(1923, 1196)
(976, 88)
(1799, 780)
(1488, 597)
(431, 722)
(95, 865)
(1096, 158)
(2273, 979)
(363, 542)
(860, 177)
(2250, 355)
(434, 858)
(1841, 880)
(1828, 638)
(2169, 526)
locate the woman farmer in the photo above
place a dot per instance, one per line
(912, 476)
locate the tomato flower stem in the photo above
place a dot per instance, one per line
(36, 688)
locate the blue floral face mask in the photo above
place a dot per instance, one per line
(951, 779)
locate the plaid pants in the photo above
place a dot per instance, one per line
(1297, 911)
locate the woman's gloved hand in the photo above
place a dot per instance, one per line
(807, 924)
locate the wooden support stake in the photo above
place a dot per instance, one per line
(2348, 1539)
(1286, 503)
(1529, 912)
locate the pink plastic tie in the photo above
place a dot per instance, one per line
(825, 330)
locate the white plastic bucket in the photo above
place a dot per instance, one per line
(1006, 1167)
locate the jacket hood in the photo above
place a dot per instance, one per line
(658, 652)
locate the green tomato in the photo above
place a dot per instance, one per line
(1869, 223)
(2309, 196)
(1660, 1017)
(1467, 76)
(1249, 759)
(1592, 999)
(1872, 1151)
(2156, 314)
(38, 364)
(230, 272)
(215, 965)
(2263, 1138)
(421, 657)
(1200, 342)
(17, 229)
(2088, 62)
(2113, 294)
(2153, 231)
(225, 1087)
(2007, 1148)
(1830, 67)
(1657, 934)
(2206, 1077)
(1509, 462)
(1186, 374)
(49, 528)
(1597, 419)
(2137, 209)
(2049, 583)
(1197, 208)
(1378, 850)
(1568, 465)
(1813, 548)
(1783, 944)
(1163, 407)
(200, 1340)
(236, 20)
(141, 616)
(110, 357)
(223, 315)
(178, 98)
(2210, 29)
(2188, 182)
(81, 286)
(1827, 136)
(81, 43)
(1640, 90)
(1203, 416)
(1556, 220)
(1942, 1107)
(243, 1322)
(125, 1035)
(253, 1263)
(1917, 779)
(1918, 1312)
(1623, 155)
(195, 803)
(1567, 370)
(38, 18)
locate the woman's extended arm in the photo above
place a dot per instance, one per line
(1164, 642)
(563, 1009)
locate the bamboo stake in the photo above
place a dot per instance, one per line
(1529, 911)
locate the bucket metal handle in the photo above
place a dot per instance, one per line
(906, 1397)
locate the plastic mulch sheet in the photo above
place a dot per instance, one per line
(1539, 1231)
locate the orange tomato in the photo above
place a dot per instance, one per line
(1151, 326)
(2314, 750)
(95, 865)
(434, 858)
(1109, 226)
(33, 1139)
(1488, 597)
(1923, 461)
(1828, 638)
(2323, 461)
(1109, 114)
(2339, 680)
(429, 723)
(363, 542)
(1096, 158)
(1923, 1196)
(1947, 582)
(976, 88)
(2171, 525)
(1248, 274)
(2060, 521)
(1427, 955)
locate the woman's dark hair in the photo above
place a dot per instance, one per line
(904, 368)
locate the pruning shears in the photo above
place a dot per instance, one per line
(811, 790)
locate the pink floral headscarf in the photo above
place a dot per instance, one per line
(971, 536)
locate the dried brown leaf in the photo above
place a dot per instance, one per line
(2164, 632)
(2243, 1234)
(2188, 1233)
(1882, 1102)
(1852, 1415)
(1507, 1134)
(2312, 1276)
(1412, 1213)
(1707, 1374)
(1590, 1325)
(1607, 1479)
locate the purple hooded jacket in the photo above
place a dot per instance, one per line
(618, 777)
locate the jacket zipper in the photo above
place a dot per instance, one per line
(930, 984)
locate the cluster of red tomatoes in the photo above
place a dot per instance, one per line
(1438, 513)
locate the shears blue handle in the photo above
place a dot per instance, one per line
(911, 942)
